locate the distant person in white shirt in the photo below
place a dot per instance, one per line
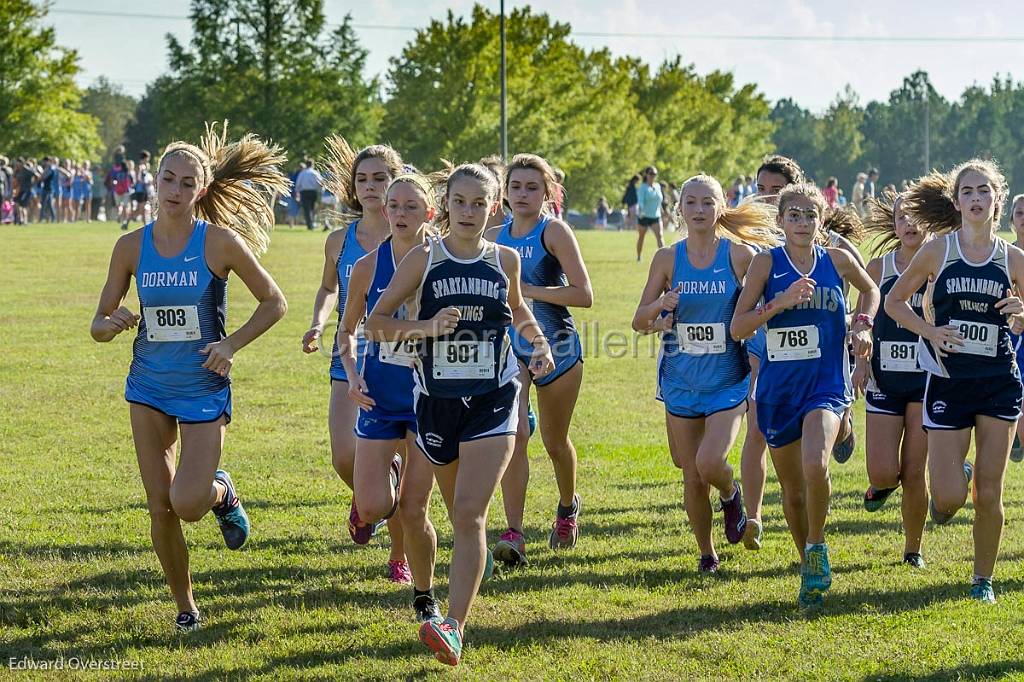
(308, 184)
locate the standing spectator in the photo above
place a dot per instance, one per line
(601, 214)
(869, 191)
(118, 183)
(629, 199)
(751, 186)
(292, 206)
(831, 192)
(25, 177)
(307, 189)
(98, 194)
(558, 205)
(649, 199)
(736, 192)
(48, 190)
(857, 193)
(841, 198)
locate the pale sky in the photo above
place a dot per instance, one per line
(811, 67)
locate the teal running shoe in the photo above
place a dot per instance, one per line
(1016, 451)
(230, 514)
(444, 639)
(489, 570)
(981, 590)
(815, 576)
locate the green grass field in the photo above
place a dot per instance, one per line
(78, 576)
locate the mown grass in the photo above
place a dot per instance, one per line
(78, 576)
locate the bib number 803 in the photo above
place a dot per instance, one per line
(171, 317)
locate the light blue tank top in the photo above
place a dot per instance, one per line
(699, 354)
(351, 251)
(183, 308)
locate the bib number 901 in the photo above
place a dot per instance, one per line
(463, 360)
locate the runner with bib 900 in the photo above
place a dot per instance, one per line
(973, 381)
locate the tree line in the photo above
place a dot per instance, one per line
(276, 68)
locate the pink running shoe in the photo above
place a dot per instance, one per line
(511, 548)
(398, 572)
(564, 531)
(361, 532)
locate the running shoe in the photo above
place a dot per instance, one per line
(188, 621)
(361, 532)
(444, 639)
(426, 608)
(230, 514)
(913, 559)
(815, 576)
(734, 516)
(874, 497)
(940, 518)
(489, 568)
(981, 590)
(843, 450)
(396, 482)
(510, 550)
(1016, 451)
(752, 534)
(564, 531)
(531, 419)
(398, 572)
(708, 564)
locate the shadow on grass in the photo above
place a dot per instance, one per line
(998, 669)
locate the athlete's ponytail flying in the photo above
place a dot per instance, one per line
(929, 202)
(751, 222)
(880, 223)
(341, 163)
(241, 179)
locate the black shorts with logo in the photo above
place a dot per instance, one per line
(878, 402)
(443, 423)
(954, 403)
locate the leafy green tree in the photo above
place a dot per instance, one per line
(839, 140)
(270, 67)
(38, 96)
(574, 107)
(703, 124)
(113, 108)
(795, 133)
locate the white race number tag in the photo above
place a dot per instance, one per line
(402, 353)
(463, 360)
(172, 323)
(898, 356)
(979, 338)
(793, 343)
(701, 338)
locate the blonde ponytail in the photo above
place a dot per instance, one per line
(241, 180)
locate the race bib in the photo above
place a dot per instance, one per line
(979, 338)
(793, 343)
(402, 353)
(701, 338)
(172, 323)
(463, 360)
(898, 356)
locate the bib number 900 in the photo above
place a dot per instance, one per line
(979, 338)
